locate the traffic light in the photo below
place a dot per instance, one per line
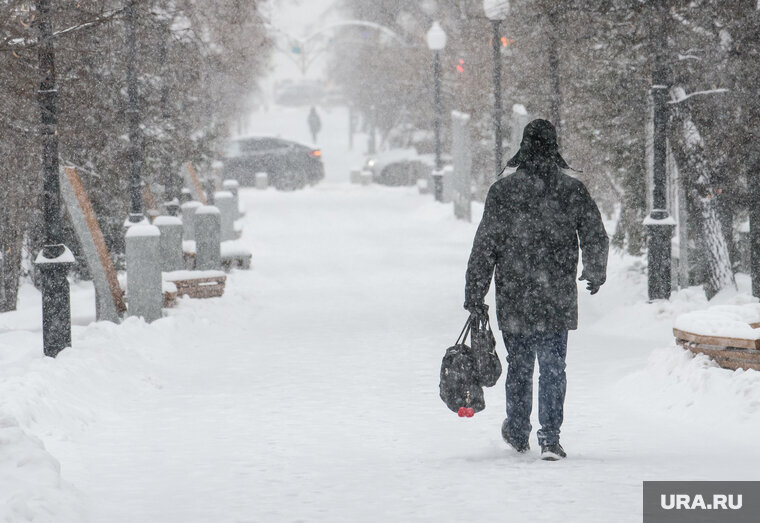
(460, 66)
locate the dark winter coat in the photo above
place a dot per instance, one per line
(532, 224)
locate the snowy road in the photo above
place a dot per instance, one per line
(309, 391)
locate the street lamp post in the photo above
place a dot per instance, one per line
(133, 117)
(372, 139)
(55, 258)
(436, 40)
(496, 11)
(659, 224)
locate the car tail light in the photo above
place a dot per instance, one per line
(315, 153)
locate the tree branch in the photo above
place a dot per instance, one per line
(681, 96)
(16, 44)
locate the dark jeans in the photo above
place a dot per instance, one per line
(522, 350)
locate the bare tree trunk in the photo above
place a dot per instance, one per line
(555, 109)
(11, 244)
(696, 170)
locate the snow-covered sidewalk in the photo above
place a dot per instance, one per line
(309, 391)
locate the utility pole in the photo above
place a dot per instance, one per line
(436, 40)
(55, 258)
(372, 139)
(497, 109)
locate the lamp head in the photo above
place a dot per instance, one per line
(436, 37)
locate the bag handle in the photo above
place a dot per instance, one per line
(465, 331)
(479, 322)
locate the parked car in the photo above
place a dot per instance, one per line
(288, 164)
(401, 166)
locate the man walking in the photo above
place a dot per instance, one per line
(533, 222)
(315, 124)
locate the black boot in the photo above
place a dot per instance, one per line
(553, 452)
(520, 446)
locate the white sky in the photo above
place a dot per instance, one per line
(298, 18)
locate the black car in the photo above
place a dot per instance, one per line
(289, 165)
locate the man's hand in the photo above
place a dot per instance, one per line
(591, 285)
(477, 309)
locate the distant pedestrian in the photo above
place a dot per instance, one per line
(315, 124)
(533, 222)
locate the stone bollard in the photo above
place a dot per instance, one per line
(225, 202)
(144, 292)
(171, 243)
(262, 180)
(355, 176)
(208, 229)
(422, 186)
(234, 187)
(185, 195)
(448, 184)
(170, 208)
(366, 177)
(188, 220)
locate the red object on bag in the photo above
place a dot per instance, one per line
(466, 412)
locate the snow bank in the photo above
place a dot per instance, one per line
(60, 399)
(31, 486)
(694, 387)
(730, 321)
(30, 480)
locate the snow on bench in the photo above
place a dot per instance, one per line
(197, 284)
(730, 334)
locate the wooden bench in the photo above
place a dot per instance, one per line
(170, 294)
(728, 352)
(197, 284)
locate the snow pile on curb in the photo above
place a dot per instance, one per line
(31, 485)
(684, 383)
(55, 400)
(30, 480)
(691, 387)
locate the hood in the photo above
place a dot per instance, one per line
(538, 145)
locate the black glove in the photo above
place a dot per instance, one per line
(591, 285)
(479, 310)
